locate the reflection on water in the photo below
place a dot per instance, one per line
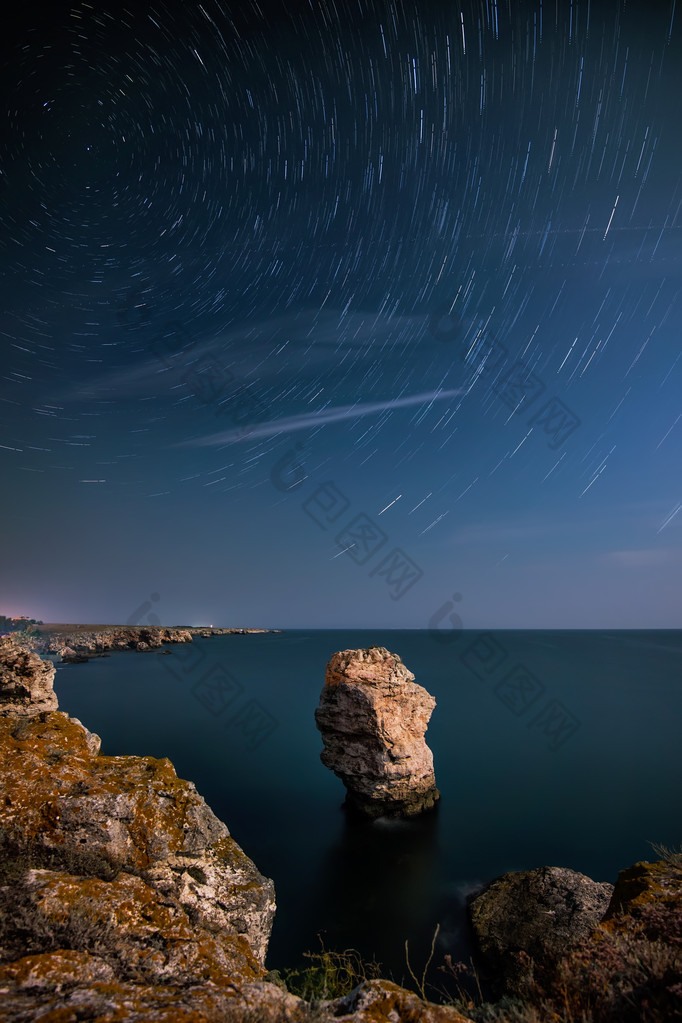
(380, 873)
(377, 885)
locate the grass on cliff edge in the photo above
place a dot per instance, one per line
(330, 974)
(613, 976)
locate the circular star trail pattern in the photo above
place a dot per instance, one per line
(228, 228)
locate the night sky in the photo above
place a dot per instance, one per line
(343, 313)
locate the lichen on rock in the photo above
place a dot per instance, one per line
(116, 858)
(379, 1000)
(373, 717)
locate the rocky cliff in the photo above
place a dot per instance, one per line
(116, 871)
(372, 717)
(25, 681)
(123, 898)
(76, 643)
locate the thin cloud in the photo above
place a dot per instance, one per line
(308, 339)
(646, 558)
(289, 424)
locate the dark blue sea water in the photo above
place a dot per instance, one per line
(559, 748)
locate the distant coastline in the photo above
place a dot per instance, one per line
(78, 643)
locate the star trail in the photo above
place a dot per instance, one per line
(269, 268)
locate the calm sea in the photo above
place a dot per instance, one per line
(559, 748)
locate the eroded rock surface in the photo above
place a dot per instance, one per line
(373, 717)
(115, 857)
(539, 913)
(26, 681)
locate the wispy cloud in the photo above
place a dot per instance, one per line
(647, 557)
(311, 420)
(256, 350)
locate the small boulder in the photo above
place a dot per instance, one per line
(382, 1001)
(536, 914)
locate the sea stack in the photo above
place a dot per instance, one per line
(372, 717)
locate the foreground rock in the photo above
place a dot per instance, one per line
(68, 986)
(642, 888)
(536, 914)
(629, 968)
(644, 918)
(568, 948)
(133, 812)
(115, 870)
(378, 1000)
(372, 717)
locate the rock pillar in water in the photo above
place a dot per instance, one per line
(372, 717)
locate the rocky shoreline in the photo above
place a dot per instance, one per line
(124, 899)
(78, 643)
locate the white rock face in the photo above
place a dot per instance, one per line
(373, 716)
(25, 681)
